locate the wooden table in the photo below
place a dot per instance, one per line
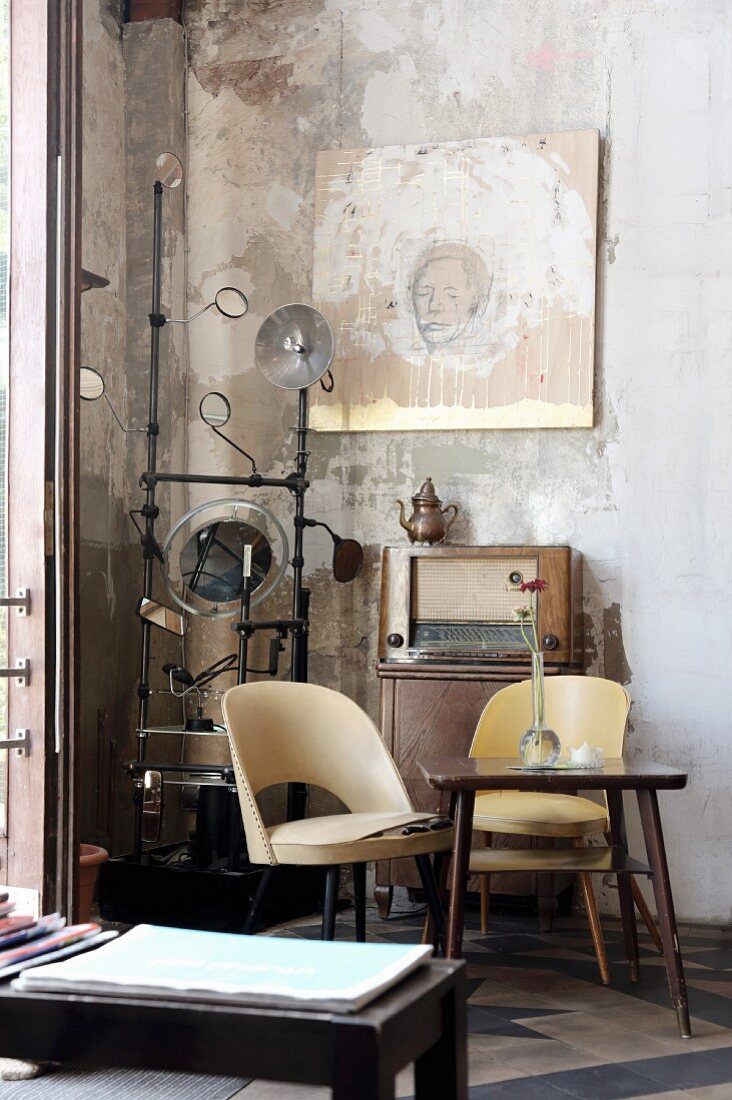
(462, 777)
(422, 1020)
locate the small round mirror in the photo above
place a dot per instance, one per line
(169, 170)
(214, 409)
(91, 384)
(347, 560)
(231, 302)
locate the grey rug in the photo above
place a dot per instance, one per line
(122, 1084)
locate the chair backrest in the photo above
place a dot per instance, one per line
(280, 732)
(577, 708)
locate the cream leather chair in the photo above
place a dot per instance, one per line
(282, 732)
(579, 708)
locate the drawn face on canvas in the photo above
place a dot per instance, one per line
(449, 290)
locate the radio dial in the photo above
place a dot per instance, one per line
(515, 577)
(394, 641)
(550, 641)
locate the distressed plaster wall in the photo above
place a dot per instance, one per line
(642, 495)
(133, 109)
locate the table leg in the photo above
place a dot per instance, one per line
(358, 1073)
(653, 836)
(464, 805)
(625, 890)
(441, 1073)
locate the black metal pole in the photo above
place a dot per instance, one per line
(254, 481)
(243, 634)
(150, 508)
(299, 638)
(297, 792)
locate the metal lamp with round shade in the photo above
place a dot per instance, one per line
(294, 347)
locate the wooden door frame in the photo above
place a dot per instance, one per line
(43, 477)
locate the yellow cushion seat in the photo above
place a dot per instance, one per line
(532, 813)
(355, 838)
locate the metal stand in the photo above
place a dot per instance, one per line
(150, 511)
(295, 483)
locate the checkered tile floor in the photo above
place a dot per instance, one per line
(543, 1028)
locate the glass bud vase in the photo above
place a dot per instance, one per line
(539, 746)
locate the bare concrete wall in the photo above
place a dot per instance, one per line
(642, 495)
(107, 553)
(133, 110)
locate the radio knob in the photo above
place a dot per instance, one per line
(550, 641)
(394, 641)
(515, 577)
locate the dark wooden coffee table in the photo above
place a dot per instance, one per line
(463, 776)
(422, 1020)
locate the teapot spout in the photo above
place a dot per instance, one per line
(402, 521)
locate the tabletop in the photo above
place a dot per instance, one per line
(292, 1044)
(463, 773)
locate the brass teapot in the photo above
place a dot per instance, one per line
(427, 522)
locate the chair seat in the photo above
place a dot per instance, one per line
(355, 838)
(532, 813)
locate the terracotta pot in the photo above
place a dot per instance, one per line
(90, 856)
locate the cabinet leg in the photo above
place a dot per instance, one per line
(383, 896)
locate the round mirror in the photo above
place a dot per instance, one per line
(91, 384)
(347, 560)
(214, 409)
(204, 556)
(169, 170)
(231, 302)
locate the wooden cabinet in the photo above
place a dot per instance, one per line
(429, 712)
(448, 641)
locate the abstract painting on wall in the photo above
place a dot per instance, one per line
(459, 280)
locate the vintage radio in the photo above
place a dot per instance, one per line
(455, 604)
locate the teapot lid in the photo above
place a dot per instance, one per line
(426, 492)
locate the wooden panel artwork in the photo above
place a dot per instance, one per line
(459, 279)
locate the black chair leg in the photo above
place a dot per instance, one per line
(429, 886)
(359, 900)
(260, 896)
(330, 899)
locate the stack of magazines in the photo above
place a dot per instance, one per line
(223, 968)
(26, 942)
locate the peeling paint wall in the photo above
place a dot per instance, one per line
(642, 495)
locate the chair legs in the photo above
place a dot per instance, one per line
(330, 900)
(646, 915)
(485, 892)
(643, 909)
(546, 901)
(359, 900)
(593, 917)
(260, 896)
(429, 885)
